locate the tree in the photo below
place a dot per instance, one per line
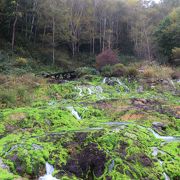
(168, 33)
(90, 25)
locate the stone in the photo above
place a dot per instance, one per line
(159, 126)
(89, 161)
(145, 160)
(2, 165)
(140, 89)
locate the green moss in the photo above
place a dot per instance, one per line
(171, 159)
(5, 175)
(46, 131)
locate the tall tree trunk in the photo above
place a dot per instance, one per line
(94, 26)
(44, 34)
(93, 41)
(109, 41)
(53, 41)
(35, 34)
(90, 44)
(26, 25)
(104, 33)
(14, 28)
(73, 48)
(147, 44)
(100, 36)
(33, 18)
(78, 41)
(117, 34)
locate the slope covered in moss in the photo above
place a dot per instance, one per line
(92, 128)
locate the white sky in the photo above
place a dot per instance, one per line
(157, 1)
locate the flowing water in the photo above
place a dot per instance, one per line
(116, 123)
(49, 172)
(104, 80)
(165, 138)
(74, 112)
(88, 90)
(115, 80)
(111, 166)
(155, 153)
(166, 176)
(98, 90)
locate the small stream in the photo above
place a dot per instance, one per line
(113, 125)
(49, 172)
(85, 90)
(74, 112)
(155, 153)
(113, 80)
(165, 138)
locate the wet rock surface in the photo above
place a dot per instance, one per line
(159, 126)
(89, 161)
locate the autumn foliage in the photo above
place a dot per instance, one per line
(107, 57)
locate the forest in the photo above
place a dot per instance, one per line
(89, 89)
(140, 28)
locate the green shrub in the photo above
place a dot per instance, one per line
(85, 58)
(107, 71)
(3, 79)
(7, 98)
(82, 71)
(131, 71)
(20, 61)
(176, 53)
(126, 60)
(176, 56)
(119, 70)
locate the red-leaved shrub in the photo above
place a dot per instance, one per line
(107, 57)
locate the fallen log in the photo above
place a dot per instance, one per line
(61, 76)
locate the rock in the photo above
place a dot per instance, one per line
(139, 102)
(37, 147)
(108, 178)
(145, 160)
(176, 75)
(176, 62)
(89, 161)
(2, 165)
(20, 169)
(166, 82)
(140, 89)
(122, 148)
(159, 126)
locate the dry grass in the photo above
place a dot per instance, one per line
(18, 90)
(17, 116)
(29, 80)
(134, 117)
(156, 71)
